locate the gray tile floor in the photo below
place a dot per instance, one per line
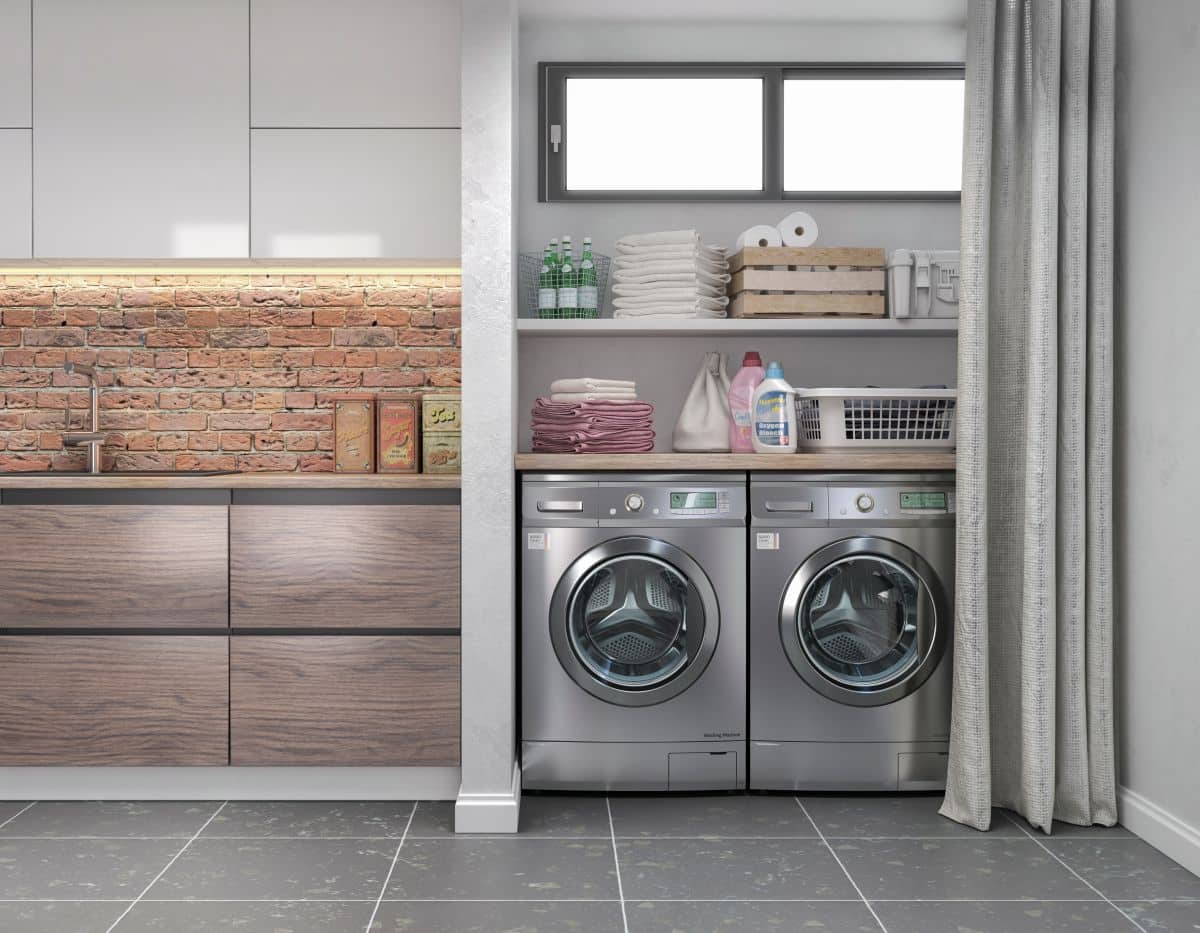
(748, 864)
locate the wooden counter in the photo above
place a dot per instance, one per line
(841, 461)
(229, 481)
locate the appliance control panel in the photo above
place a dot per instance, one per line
(660, 502)
(849, 503)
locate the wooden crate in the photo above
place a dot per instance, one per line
(784, 281)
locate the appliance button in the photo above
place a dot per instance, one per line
(864, 503)
(634, 502)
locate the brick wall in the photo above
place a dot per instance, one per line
(212, 371)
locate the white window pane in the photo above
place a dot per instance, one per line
(872, 135)
(665, 134)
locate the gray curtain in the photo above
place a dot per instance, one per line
(1032, 727)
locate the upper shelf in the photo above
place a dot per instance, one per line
(814, 326)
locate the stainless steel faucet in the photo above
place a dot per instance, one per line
(91, 439)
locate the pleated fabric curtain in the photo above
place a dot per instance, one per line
(1032, 726)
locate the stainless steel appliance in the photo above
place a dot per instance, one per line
(851, 626)
(633, 632)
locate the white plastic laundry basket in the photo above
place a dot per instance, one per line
(876, 418)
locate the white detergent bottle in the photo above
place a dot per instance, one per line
(774, 419)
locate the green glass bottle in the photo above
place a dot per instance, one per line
(589, 296)
(568, 283)
(547, 289)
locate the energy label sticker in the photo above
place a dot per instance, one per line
(767, 540)
(535, 541)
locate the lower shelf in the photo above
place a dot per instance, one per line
(824, 461)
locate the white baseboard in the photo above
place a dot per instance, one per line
(1162, 829)
(229, 783)
(490, 813)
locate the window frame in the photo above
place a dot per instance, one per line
(552, 82)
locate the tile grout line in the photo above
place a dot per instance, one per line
(388, 879)
(24, 809)
(166, 867)
(616, 863)
(841, 865)
(1060, 861)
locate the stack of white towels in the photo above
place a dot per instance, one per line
(671, 274)
(589, 415)
(591, 389)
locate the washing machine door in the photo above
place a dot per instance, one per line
(634, 621)
(865, 621)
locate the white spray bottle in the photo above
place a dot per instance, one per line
(774, 414)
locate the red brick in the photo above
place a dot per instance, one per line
(236, 359)
(446, 379)
(82, 317)
(25, 298)
(203, 317)
(329, 378)
(207, 401)
(301, 421)
(296, 359)
(421, 319)
(404, 297)
(22, 399)
(175, 337)
(394, 317)
(124, 399)
(364, 337)
(113, 357)
(300, 400)
(199, 441)
(21, 357)
(329, 317)
(332, 297)
(175, 440)
(423, 338)
(178, 421)
(205, 379)
(171, 359)
(135, 319)
(316, 463)
(46, 420)
(147, 298)
(235, 440)
(268, 440)
(266, 462)
(329, 357)
(49, 317)
(238, 337)
(257, 297)
(189, 462)
(301, 440)
(143, 359)
(447, 298)
(170, 317)
(133, 462)
(50, 358)
(156, 379)
(267, 380)
(12, 420)
(201, 359)
(233, 317)
(55, 337)
(393, 378)
(50, 441)
(102, 337)
(23, 379)
(361, 317)
(423, 357)
(123, 420)
(23, 463)
(174, 401)
(240, 400)
(447, 319)
(268, 401)
(18, 317)
(450, 358)
(360, 357)
(296, 317)
(205, 297)
(239, 421)
(311, 337)
(87, 297)
(23, 440)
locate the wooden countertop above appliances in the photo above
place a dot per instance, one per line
(819, 461)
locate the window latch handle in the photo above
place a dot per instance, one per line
(555, 135)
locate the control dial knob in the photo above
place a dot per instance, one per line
(864, 503)
(634, 502)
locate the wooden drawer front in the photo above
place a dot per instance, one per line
(344, 566)
(344, 700)
(115, 566)
(114, 700)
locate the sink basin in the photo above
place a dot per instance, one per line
(120, 473)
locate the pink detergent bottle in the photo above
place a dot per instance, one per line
(741, 398)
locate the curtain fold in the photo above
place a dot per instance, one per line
(1032, 723)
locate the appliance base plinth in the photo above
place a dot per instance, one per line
(848, 766)
(633, 766)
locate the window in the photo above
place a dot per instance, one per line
(749, 132)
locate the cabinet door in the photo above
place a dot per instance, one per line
(141, 124)
(16, 50)
(355, 63)
(114, 700)
(16, 195)
(353, 700)
(356, 193)
(344, 566)
(114, 566)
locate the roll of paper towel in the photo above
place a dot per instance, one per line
(759, 235)
(798, 229)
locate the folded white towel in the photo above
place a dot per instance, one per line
(593, 396)
(672, 262)
(669, 290)
(669, 251)
(684, 274)
(590, 384)
(667, 311)
(663, 236)
(673, 298)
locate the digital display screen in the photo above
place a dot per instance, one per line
(693, 500)
(923, 500)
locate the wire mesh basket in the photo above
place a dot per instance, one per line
(529, 273)
(876, 418)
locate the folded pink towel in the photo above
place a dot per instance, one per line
(594, 426)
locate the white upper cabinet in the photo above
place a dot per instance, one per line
(16, 195)
(362, 194)
(355, 63)
(16, 52)
(141, 129)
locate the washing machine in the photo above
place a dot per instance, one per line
(851, 628)
(633, 632)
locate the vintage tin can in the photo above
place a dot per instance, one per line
(354, 434)
(398, 433)
(441, 413)
(441, 452)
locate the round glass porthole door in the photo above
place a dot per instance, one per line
(863, 621)
(634, 621)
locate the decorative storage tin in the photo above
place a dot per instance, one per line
(354, 434)
(785, 281)
(441, 412)
(398, 433)
(923, 282)
(441, 453)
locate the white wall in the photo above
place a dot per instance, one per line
(1158, 422)
(663, 367)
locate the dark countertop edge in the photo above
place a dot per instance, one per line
(234, 481)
